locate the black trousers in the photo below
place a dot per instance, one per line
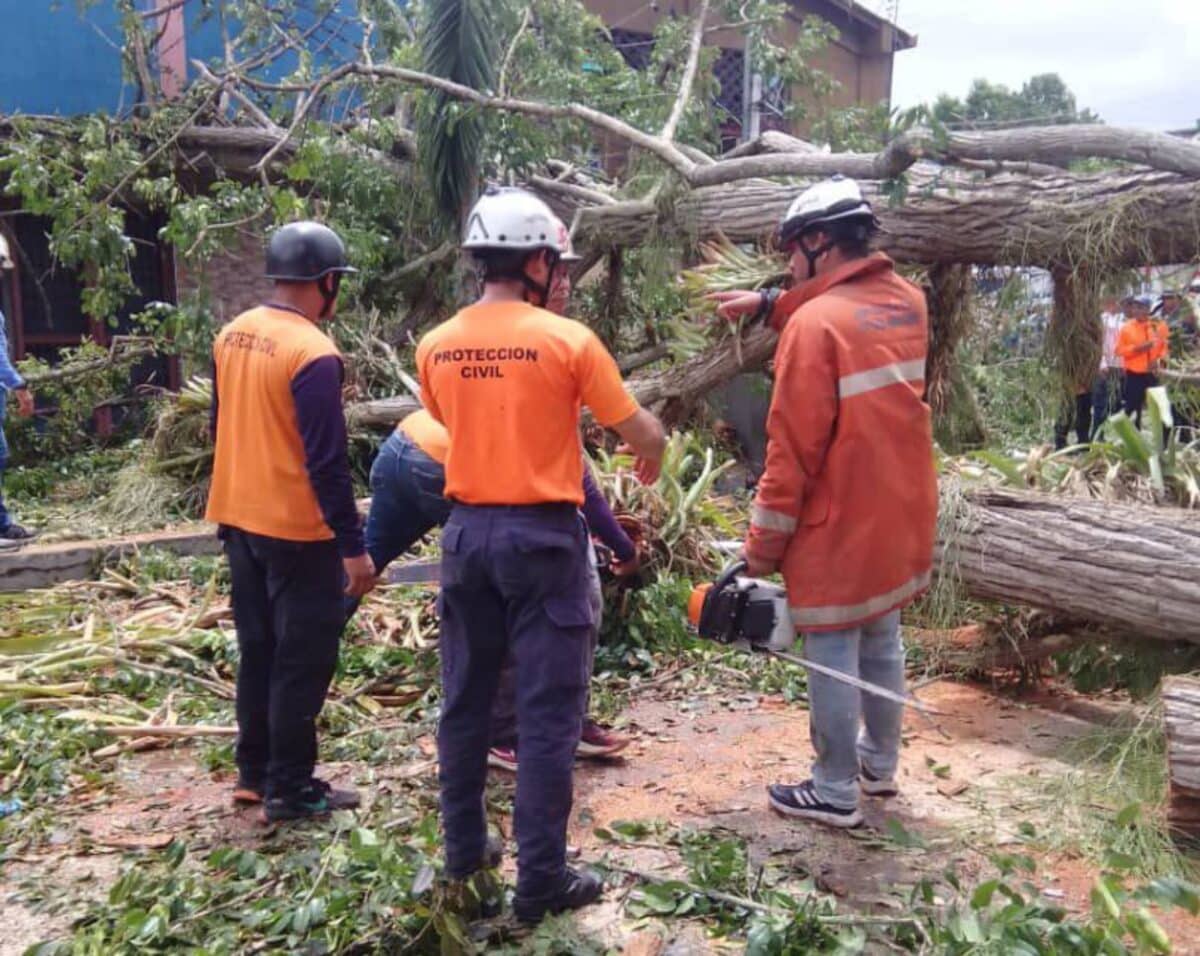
(1136, 384)
(514, 581)
(287, 606)
(1077, 415)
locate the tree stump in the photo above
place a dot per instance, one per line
(1181, 707)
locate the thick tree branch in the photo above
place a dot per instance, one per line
(689, 76)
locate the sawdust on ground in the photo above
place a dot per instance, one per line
(702, 761)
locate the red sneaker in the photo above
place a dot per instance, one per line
(597, 742)
(503, 758)
(246, 795)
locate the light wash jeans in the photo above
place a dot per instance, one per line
(874, 653)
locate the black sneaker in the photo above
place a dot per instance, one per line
(801, 800)
(579, 888)
(876, 786)
(14, 532)
(318, 799)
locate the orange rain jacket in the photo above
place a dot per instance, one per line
(1135, 333)
(847, 505)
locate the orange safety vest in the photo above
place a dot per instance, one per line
(260, 477)
(848, 502)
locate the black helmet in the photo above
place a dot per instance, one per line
(305, 252)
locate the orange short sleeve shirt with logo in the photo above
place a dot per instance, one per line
(508, 380)
(1136, 333)
(260, 482)
(428, 434)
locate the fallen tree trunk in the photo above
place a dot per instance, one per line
(1120, 218)
(44, 565)
(1181, 714)
(381, 413)
(673, 391)
(1132, 568)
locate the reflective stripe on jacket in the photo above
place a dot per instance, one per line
(848, 502)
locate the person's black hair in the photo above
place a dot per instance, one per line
(501, 265)
(851, 237)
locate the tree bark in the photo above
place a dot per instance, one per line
(1181, 714)
(381, 413)
(1121, 219)
(674, 391)
(1132, 568)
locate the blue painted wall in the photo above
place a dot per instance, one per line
(56, 60)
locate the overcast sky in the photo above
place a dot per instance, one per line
(1135, 63)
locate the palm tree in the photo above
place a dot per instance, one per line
(458, 43)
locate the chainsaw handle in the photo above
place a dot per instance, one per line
(731, 572)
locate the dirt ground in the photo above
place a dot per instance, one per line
(699, 760)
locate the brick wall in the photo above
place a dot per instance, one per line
(230, 282)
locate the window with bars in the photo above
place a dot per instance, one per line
(637, 48)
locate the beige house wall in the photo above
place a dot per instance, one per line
(860, 59)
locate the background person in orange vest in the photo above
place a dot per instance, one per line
(1142, 348)
(847, 506)
(507, 379)
(283, 498)
(408, 482)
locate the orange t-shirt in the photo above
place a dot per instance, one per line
(1134, 333)
(507, 380)
(260, 482)
(428, 434)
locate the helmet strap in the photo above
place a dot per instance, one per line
(812, 255)
(539, 292)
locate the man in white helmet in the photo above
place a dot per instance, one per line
(408, 482)
(847, 505)
(507, 379)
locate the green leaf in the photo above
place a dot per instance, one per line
(982, 897)
(1129, 441)
(903, 837)
(1129, 814)
(1172, 891)
(658, 898)
(1009, 470)
(1146, 930)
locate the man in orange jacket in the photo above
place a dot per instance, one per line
(1142, 347)
(847, 506)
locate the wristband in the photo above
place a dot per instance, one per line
(766, 301)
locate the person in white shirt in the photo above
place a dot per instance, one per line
(1106, 392)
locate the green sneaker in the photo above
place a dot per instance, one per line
(318, 799)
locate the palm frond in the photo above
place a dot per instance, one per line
(458, 43)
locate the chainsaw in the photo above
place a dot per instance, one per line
(734, 608)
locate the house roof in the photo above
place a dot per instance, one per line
(903, 40)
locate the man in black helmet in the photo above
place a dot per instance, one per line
(282, 496)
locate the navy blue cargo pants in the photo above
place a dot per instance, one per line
(514, 581)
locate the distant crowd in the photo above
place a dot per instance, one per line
(1139, 334)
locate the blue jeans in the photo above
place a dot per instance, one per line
(875, 653)
(514, 582)
(406, 502)
(5, 520)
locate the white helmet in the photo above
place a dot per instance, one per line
(512, 219)
(828, 201)
(6, 261)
